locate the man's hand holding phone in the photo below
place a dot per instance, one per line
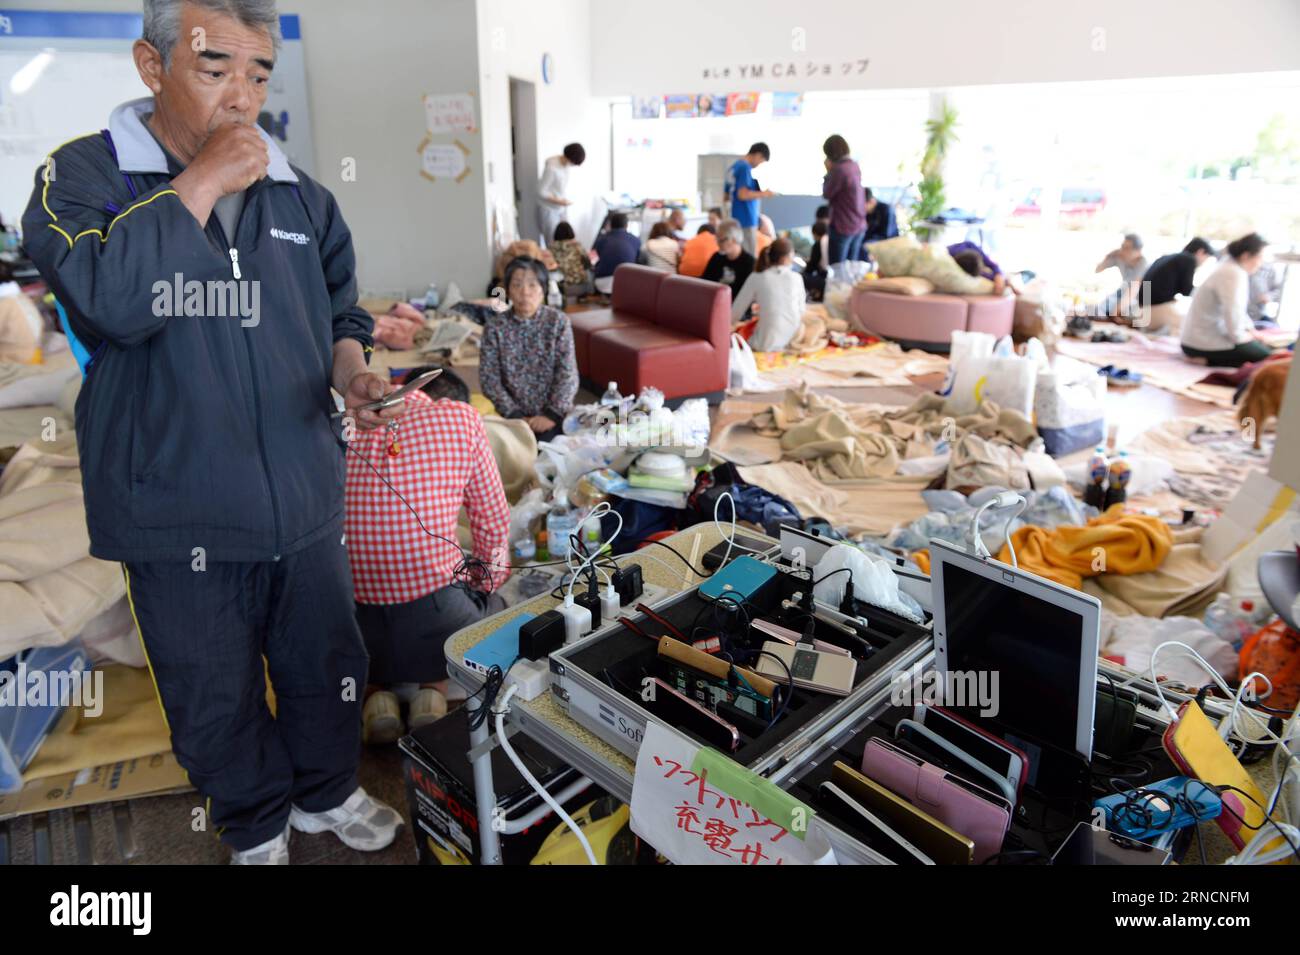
(363, 392)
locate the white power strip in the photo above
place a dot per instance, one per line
(533, 677)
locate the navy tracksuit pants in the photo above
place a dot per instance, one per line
(206, 634)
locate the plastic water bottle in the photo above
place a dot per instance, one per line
(1232, 620)
(611, 398)
(1094, 491)
(561, 523)
(1117, 486)
(554, 297)
(1248, 620)
(1218, 618)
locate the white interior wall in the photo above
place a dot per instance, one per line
(936, 44)
(513, 35)
(369, 66)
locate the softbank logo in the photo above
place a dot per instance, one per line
(295, 237)
(77, 908)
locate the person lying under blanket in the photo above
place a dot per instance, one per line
(904, 256)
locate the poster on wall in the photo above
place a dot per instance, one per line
(680, 106)
(787, 105)
(449, 113)
(740, 104)
(647, 107)
(711, 104)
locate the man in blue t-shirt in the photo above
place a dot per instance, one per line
(742, 189)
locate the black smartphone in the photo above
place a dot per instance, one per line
(743, 545)
(1113, 721)
(683, 713)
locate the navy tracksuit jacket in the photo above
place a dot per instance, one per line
(210, 465)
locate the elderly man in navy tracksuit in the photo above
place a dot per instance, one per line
(212, 285)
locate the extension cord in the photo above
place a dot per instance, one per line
(533, 677)
(651, 594)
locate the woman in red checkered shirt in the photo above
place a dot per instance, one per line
(410, 597)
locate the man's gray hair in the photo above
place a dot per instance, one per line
(730, 229)
(1134, 240)
(162, 20)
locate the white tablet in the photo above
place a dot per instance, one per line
(1027, 642)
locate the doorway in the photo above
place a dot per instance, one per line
(523, 148)
(712, 178)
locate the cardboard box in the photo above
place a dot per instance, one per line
(440, 795)
(147, 776)
(1257, 504)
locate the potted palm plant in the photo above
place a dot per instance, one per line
(940, 134)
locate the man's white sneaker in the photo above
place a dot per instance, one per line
(272, 852)
(362, 822)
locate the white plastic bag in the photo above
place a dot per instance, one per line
(744, 369)
(965, 345)
(1008, 381)
(874, 581)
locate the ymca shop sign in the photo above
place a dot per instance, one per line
(788, 70)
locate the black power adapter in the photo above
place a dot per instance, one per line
(541, 635)
(628, 583)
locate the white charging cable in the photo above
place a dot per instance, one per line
(1257, 730)
(1253, 853)
(532, 780)
(600, 510)
(731, 541)
(1002, 500)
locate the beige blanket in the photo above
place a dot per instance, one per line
(872, 507)
(50, 586)
(1184, 584)
(884, 366)
(839, 441)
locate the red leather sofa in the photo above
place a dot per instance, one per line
(669, 331)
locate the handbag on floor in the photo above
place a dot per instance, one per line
(1069, 407)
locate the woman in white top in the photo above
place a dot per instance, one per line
(1218, 327)
(662, 250)
(778, 292)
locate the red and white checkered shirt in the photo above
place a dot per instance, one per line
(444, 461)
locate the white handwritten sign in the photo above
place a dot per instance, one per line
(443, 161)
(697, 807)
(449, 113)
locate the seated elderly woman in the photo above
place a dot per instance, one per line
(1218, 328)
(527, 367)
(521, 247)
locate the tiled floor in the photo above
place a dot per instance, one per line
(157, 830)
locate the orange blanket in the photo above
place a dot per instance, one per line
(1111, 543)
